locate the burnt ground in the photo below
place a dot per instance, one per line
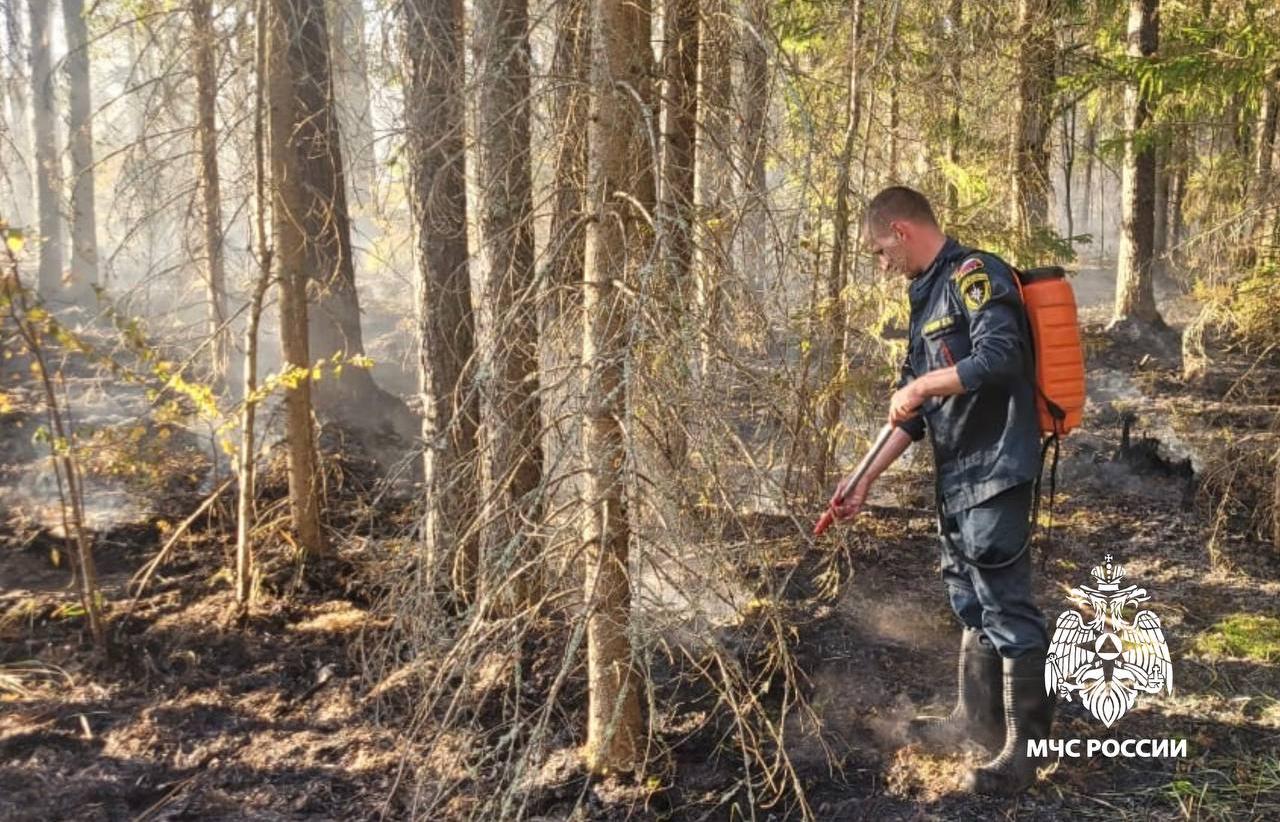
(195, 715)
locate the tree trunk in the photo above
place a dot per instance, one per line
(1275, 504)
(755, 109)
(1177, 193)
(1090, 159)
(713, 173)
(560, 299)
(297, 244)
(511, 428)
(84, 225)
(246, 478)
(838, 275)
(955, 72)
(1160, 217)
(434, 134)
(352, 94)
(202, 50)
(19, 119)
(680, 109)
(678, 219)
(895, 104)
(351, 398)
(616, 237)
(1068, 169)
(1029, 143)
(569, 70)
(1135, 288)
(1263, 196)
(44, 131)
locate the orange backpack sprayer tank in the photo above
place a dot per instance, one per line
(1055, 335)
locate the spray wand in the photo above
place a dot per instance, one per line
(829, 516)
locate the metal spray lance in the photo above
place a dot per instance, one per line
(829, 515)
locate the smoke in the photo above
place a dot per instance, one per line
(33, 500)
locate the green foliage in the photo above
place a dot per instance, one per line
(1243, 635)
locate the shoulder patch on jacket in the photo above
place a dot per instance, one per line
(975, 287)
(968, 266)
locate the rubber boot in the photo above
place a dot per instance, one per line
(1028, 712)
(978, 715)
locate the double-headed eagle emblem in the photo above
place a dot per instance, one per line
(1110, 659)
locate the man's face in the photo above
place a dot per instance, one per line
(890, 248)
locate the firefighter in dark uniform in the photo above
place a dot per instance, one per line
(968, 381)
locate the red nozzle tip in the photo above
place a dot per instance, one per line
(824, 523)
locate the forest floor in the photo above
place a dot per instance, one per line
(197, 716)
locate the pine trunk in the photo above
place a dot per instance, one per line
(895, 103)
(511, 429)
(713, 173)
(350, 398)
(754, 98)
(833, 405)
(1177, 193)
(1090, 159)
(246, 477)
(19, 119)
(1160, 218)
(680, 113)
(1263, 199)
(955, 72)
(296, 243)
(1068, 172)
(44, 131)
(1275, 505)
(1135, 288)
(202, 50)
(352, 94)
(569, 70)
(616, 240)
(84, 219)
(1029, 144)
(433, 65)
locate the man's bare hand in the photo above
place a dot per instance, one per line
(846, 503)
(905, 403)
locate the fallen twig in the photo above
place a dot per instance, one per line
(143, 576)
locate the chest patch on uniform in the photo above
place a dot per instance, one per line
(975, 287)
(939, 325)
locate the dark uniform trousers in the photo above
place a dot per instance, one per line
(994, 600)
(966, 312)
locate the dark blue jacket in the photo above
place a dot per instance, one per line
(966, 311)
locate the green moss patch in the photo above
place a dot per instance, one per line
(1248, 636)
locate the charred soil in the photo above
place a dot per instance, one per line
(195, 713)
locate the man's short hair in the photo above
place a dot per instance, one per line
(898, 203)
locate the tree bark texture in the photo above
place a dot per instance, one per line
(433, 66)
(1135, 288)
(299, 222)
(84, 215)
(203, 41)
(19, 213)
(616, 238)
(351, 398)
(44, 131)
(1030, 184)
(511, 428)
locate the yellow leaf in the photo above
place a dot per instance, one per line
(55, 556)
(14, 240)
